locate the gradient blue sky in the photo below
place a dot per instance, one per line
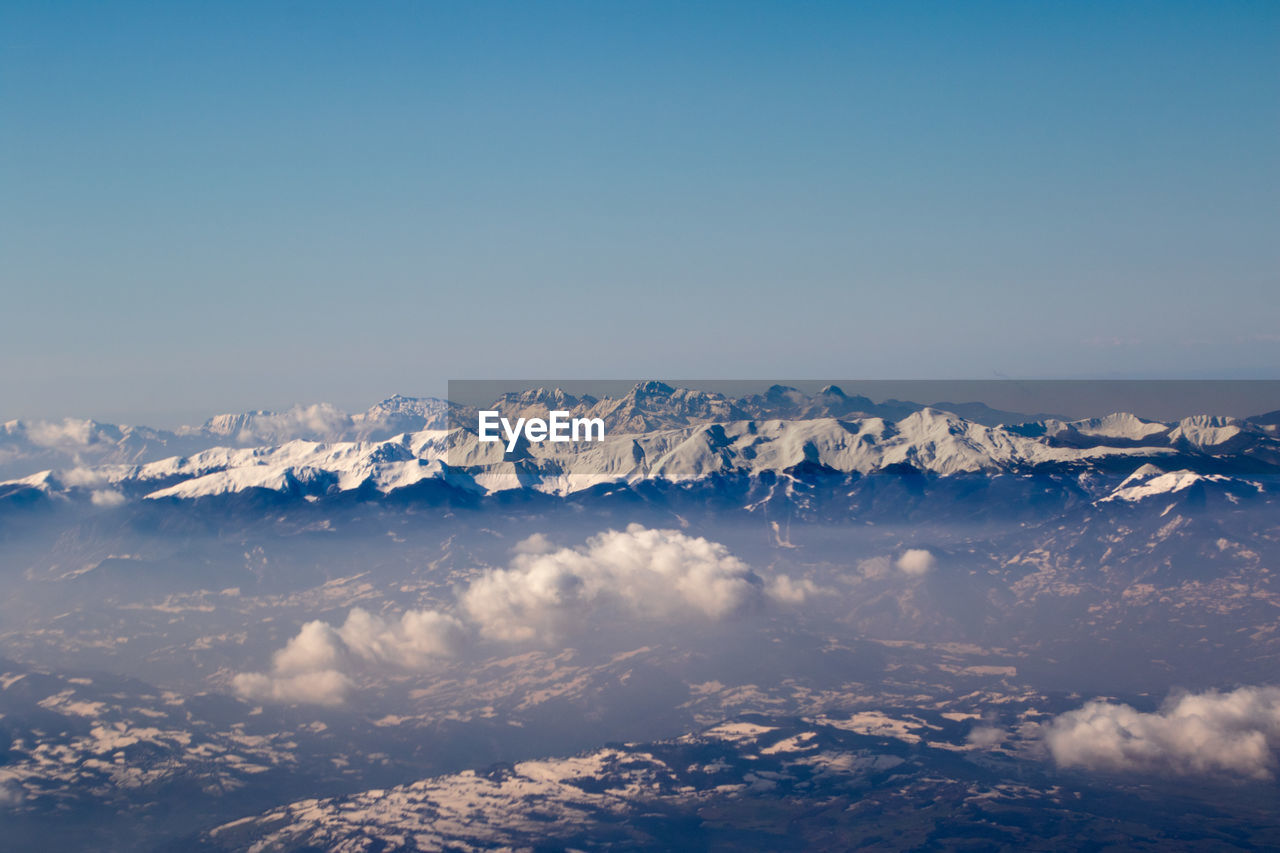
(208, 207)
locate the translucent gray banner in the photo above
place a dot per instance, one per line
(565, 435)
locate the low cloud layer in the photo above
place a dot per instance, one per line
(318, 422)
(916, 562)
(547, 593)
(913, 562)
(787, 591)
(1235, 733)
(314, 665)
(107, 498)
(649, 574)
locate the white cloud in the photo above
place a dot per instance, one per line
(916, 562)
(418, 638)
(314, 665)
(655, 574)
(1207, 733)
(82, 476)
(106, 497)
(782, 588)
(317, 646)
(320, 422)
(321, 687)
(69, 432)
(635, 574)
(913, 562)
(536, 543)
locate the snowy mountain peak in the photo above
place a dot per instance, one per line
(1151, 481)
(399, 414)
(652, 387)
(319, 421)
(399, 404)
(541, 398)
(651, 432)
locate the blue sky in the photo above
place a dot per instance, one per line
(212, 207)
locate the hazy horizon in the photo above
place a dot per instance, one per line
(246, 206)
(1159, 399)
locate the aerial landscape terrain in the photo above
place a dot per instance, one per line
(784, 620)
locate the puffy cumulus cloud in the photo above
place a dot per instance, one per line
(85, 477)
(635, 574)
(916, 562)
(1208, 733)
(319, 422)
(317, 647)
(536, 543)
(654, 574)
(106, 497)
(322, 687)
(788, 591)
(67, 432)
(419, 637)
(314, 666)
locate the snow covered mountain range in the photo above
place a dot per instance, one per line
(27, 446)
(655, 433)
